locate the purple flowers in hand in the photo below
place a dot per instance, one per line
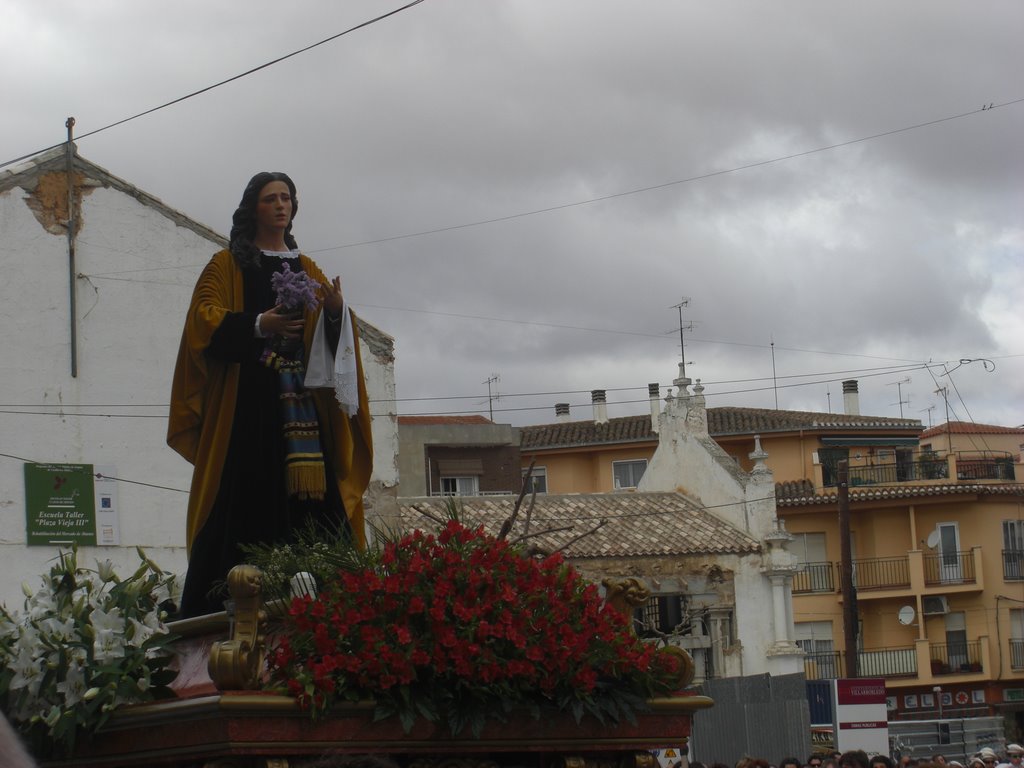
(295, 289)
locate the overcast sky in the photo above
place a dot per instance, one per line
(782, 196)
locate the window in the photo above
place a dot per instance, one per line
(539, 479)
(815, 639)
(1017, 638)
(1013, 535)
(808, 547)
(956, 641)
(816, 574)
(1013, 550)
(627, 474)
(661, 614)
(460, 486)
(830, 458)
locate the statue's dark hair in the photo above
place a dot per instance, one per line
(243, 223)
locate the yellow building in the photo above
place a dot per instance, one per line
(937, 522)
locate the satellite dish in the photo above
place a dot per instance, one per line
(933, 539)
(906, 615)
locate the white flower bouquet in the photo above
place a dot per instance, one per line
(86, 643)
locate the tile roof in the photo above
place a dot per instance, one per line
(721, 421)
(639, 524)
(625, 429)
(436, 420)
(728, 421)
(801, 492)
(970, 428)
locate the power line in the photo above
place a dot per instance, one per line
(516, 321)
(847, 372)
(63, 410)
(101, 476)
(687, 180)
(222, 82)
(536, 323)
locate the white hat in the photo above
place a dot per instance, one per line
(987, 753)
(1014, 749)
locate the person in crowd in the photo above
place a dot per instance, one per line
(789, 762)
(271, 454)
(988, 756)
(854, 758)
(882, 761)
(12, 753)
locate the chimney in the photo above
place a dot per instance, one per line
(851, 399)
(654, 393)
(600, 408)
(561, 412)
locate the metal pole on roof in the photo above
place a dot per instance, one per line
(492, 379)
(682, 345)
(846, 569)
(72, 226)
(775, 382)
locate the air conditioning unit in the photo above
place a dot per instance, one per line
(934, 605)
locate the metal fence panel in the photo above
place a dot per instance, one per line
(956, 738)
(757, 716)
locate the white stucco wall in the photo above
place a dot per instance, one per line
(137, 268)
(687, 460)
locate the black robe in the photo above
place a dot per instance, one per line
(252, 503)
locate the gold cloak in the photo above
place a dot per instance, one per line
(204, 391)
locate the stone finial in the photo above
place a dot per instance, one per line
(780, 559)
(682, 382)
(758, 455)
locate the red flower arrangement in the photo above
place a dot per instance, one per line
(462, 626)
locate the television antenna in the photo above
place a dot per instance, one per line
(899, 393)
(494, 378)
(687, 327)
(930, 408)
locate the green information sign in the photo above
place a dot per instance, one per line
(60, 504)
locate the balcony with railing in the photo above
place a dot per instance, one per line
(1013, 564)
(923, 467)
(946, 568)
(879, 662)
(878, 573)
(1016, 653)
(984, 465)
(815, 578)
(955, 658)
(880, 578)
(899, 472)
